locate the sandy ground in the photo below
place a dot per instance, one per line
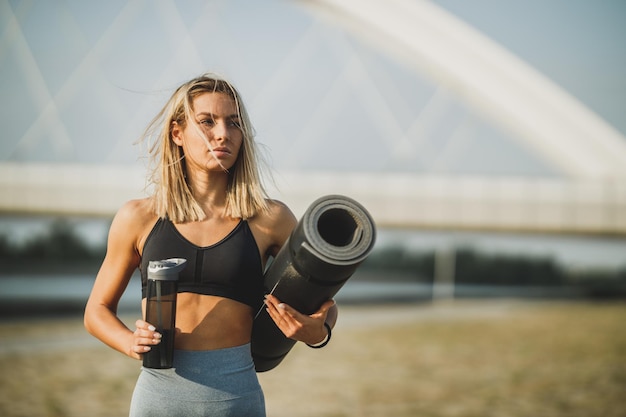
(474, 358)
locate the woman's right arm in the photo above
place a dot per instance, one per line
(122, 259)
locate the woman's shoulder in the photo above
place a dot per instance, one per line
(272, 227)
(130, 226)
(133, 208)
(277, 212)
(135, 213)
(275, 220)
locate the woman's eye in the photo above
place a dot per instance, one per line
(235, 123)
(207, 122)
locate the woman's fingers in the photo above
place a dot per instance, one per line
(145, 335)
(323, 310)
(296, 325)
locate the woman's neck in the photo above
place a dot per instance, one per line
(209, 190)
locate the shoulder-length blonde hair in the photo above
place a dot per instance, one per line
(172, 196)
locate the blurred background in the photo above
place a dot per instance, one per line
(486, 138)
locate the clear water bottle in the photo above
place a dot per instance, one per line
(162, 289)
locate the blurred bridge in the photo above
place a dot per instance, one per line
(587, 194)
(521, 204)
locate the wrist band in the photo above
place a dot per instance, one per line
(323, 342)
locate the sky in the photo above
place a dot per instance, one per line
(81, 80)
(579, 44)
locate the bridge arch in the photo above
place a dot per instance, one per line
(541, 115)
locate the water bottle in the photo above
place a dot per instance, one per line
(161, 309)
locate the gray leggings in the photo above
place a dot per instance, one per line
(218, 383)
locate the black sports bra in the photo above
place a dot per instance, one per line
(231, 268)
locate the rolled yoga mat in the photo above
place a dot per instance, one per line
(332, 239)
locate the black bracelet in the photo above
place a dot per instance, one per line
(326, 340)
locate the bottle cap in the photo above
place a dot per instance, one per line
(166, 270)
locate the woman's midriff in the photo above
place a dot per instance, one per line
(208, 322)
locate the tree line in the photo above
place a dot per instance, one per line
(473, 267)
(61, 245)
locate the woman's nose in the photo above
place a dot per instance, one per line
(220, 130)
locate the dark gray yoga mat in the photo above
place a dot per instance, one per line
(333, 237)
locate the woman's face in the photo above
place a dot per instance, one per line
(217, 119)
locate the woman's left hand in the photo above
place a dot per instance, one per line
(298, 326)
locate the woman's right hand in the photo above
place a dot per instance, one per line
(144, 337)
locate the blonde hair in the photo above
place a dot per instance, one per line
(172, 196)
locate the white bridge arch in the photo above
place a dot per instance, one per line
(541, 115)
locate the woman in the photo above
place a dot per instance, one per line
(207, 206)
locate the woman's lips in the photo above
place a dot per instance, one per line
(221, 151)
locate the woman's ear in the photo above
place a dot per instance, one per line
(177, 133)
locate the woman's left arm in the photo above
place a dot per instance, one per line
(309, 329)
